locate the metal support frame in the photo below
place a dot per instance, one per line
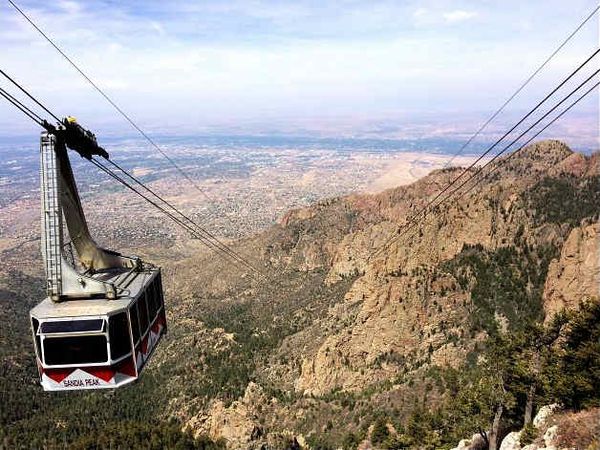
(60, 197)
(52, 238)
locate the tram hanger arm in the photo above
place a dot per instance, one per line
(68, 134)
(76, 138)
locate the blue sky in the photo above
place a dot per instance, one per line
(344, 68)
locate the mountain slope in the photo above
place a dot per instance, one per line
(342, 329)
(339, 346)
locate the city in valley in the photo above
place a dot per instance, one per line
(238, 186)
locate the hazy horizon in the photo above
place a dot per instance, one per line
(389, 70)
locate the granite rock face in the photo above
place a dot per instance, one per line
(398, 309)
(575, 275)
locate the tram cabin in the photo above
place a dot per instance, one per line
(99, 343)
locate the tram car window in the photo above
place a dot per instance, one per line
(118, 335)
(135, 324)
(143, 314)
(75, 350)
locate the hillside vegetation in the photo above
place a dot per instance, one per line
(487, 311)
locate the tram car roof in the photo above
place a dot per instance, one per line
(130, 285)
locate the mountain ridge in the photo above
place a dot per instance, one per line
(412, 309)
(335, 347)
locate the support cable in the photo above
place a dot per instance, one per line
(22, 89)
(537, 133)
(503, 161)
(208, 242)
(24, 109)
(525, 83)
(412, 219)
(112, 103)
(203, 235)
(202, 230)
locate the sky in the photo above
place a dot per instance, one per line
(344, 68)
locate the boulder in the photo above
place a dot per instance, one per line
(543, 414)
(550, 436)
(476, 442)
(511, 441)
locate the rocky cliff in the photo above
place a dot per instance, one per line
(358, 312)
(374, 328)
(575, 274)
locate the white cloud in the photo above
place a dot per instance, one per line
(156, 26)
(232, 66)
(69, 6)
(421, 16)
(420, 12)
(459, 15)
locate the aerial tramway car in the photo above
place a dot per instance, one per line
(104, 312)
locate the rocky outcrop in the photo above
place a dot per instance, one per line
(402, 311)
(512, 441)
(237, 424)
(558, 430)
(396, 325)
(405, 313)
(575, 275)
(544, 414)
(475, 443)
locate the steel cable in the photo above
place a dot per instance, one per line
(199, 235)
(527, 81)
(203, 235)
(414, 217)
(22, 89)
(113, 104)
(205, 232)
(502, 161)
(24, 109)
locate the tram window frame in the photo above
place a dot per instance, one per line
(143, 314)
(38, 342)
(57, 355)
(73, 326)
(120, 344)
(161, 302)
(153, 301)
(135, 322)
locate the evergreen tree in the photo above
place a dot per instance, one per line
(576, 374)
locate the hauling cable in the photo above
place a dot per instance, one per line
(24, 109)
(449, 196)
(22, 89)
(207, 235)
(529, 140)
(115, 106)
(518, 90)
(479, 170)
(537, 133)
(203, 235)
(525, 83)
(414, 217)
(206, 241)
(125, 116)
